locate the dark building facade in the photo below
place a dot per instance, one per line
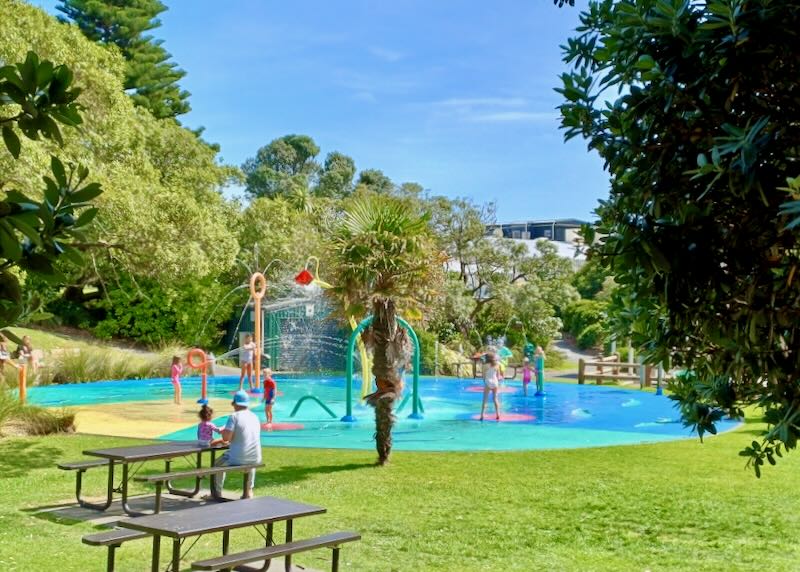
(560, 230)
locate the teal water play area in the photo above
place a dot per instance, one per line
(567, 416)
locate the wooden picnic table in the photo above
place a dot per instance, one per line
(182, 524)
(129, 456)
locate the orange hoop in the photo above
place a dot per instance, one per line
(196, 352)
(258, 285)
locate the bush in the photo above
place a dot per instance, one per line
(590, 337)
(18, 419)
(581, 314)
(100, 364)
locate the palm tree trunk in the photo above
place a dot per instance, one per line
(388, 357)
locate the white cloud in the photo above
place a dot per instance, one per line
(491, 109)
(515, 117)
(386, 54)
(470, 102)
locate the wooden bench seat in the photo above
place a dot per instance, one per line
(162, 478)
(600, 377)
(112, 539)
(333, 540)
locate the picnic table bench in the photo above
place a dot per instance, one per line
(128, 457)
(225, 517)
(333, 540)
(161, 478)
(112, 539)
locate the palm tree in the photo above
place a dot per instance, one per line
(383, 258)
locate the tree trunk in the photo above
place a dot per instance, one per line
(387, 360)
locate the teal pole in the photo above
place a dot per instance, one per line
(348, 370)
(415, 402)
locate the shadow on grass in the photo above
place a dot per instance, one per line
(19, 457)
(69, 514)
(293, 473)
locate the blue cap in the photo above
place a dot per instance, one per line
(241, 398)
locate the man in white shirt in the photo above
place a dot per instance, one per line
(243, 432)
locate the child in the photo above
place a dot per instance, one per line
(527, 374)
(206, 429)
(491, 378)
(25, 354)
(270, 393)
(4, 355)
(246, 356)
(538, 367)
(177, 370)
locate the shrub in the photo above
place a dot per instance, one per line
(99, 364)
(581, 314)
(590, 337)
(19, 419)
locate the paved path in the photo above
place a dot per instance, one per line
(572, 353)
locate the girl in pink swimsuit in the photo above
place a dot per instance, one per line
(177, 370)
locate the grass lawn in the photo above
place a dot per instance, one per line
(47, 341)
(674, 506)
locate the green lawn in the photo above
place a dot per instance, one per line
(675, 506)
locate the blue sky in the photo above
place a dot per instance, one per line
(457, 96)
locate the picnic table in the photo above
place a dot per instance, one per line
(183, 524)
(128, 457)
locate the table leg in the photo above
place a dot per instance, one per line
(176, 555)
(197, 481)
(156, 553)
(226, 541)
(288, 559)
(125, 506)
(109, 490)
(269, 538)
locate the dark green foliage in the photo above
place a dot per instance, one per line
(580, 314)
(588, 281)
(700, 146)
(152, 80)
(590, 337)
(283, 167)
(375, 181)
(35, 234)
(155, 315)
(336, 179)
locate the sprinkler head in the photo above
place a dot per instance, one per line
(304, 278)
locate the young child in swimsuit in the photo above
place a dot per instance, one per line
(270, 393)
(491, 382)
(177, 370)
(527, 375)
(246, 357)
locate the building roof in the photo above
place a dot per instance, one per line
(561, 221)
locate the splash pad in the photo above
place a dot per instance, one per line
(569, 416)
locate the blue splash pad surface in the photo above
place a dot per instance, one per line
(568, 416)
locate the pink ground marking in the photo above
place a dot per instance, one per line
(282, 426)
(505, 417)
(501, 389)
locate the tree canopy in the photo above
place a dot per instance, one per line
(150, 77)
(35, 96)
(701, 141)
(283, 166)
